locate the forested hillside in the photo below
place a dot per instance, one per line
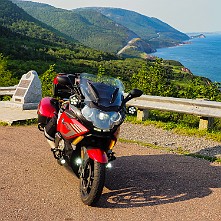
(20, 22)
(152, 30)
(107, 29)
(30, 44)
(91, 28)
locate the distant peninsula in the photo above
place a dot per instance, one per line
(198, 36)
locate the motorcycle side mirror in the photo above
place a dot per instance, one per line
(134, 93)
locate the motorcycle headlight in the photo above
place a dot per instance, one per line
(101, 119)
(116, 116)
(87, 112)
(103, 116)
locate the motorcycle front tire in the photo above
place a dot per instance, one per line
(92, 181)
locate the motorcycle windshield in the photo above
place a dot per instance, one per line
(101, 92)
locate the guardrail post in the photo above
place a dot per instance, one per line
(206, 123)
(142, 114)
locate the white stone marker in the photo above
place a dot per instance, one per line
(28, 92)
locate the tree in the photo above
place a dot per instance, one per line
(101, 71)
(46, 81)
(154, 80)
(6, 78)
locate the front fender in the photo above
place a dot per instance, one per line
(97, 155)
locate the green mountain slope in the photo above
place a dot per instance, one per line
(17, 20)
(91, 28)
(107, 29)
(30, 44)
(19, 30)
(152, 30)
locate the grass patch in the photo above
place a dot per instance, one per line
(21, 122)
(3, 123)
(208, 158)
(25, 122)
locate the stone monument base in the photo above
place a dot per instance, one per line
(25, 106)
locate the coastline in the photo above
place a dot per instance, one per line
(200, 55)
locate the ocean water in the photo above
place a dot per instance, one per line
(202, 56)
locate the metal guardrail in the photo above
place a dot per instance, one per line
(8, 90)
(206, 110)
(196, 107)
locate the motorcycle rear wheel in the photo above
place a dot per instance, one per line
(92, 181)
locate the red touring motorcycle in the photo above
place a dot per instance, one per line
(83, 129)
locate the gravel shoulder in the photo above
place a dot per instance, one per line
(168, 139)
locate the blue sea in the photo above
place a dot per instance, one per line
(202, 56)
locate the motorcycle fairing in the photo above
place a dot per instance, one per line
(70, 127)
(97, 155)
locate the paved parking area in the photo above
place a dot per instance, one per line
(144, 184)
(10, 115)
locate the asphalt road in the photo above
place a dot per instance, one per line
(145, 184)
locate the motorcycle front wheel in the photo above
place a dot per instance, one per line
(92, 181)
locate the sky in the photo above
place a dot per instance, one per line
(185, 15)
